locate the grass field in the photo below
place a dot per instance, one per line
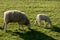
(31, 8)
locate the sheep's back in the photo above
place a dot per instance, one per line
(14, 16)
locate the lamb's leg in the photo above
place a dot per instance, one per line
(38, 21)
(50, 24)
(35, 22)
(45, 24)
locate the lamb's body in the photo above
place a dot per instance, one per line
(15, 16)
(42, 17)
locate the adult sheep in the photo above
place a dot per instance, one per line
(15, 16)
(44, 17)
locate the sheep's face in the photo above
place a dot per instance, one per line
(27, 23)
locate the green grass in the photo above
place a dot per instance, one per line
(31, 8)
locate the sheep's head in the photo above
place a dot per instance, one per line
(27, 23)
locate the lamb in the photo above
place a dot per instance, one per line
(15, 16)
(43, 17)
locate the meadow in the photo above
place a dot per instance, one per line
(31, 8)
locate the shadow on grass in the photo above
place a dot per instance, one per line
(32, 35)
(56, 29)
(1, 28)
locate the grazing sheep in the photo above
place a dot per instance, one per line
(42, 17)
(15, 16)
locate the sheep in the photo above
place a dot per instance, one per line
(43, 17)
(15, 16)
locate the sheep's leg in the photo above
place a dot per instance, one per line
(19, 27)
(23, 28)
(5, 25)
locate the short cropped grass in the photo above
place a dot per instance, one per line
(31, 8)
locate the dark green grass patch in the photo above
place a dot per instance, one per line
(31, 8)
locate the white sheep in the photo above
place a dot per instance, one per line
(15, 16)
(42, 17)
